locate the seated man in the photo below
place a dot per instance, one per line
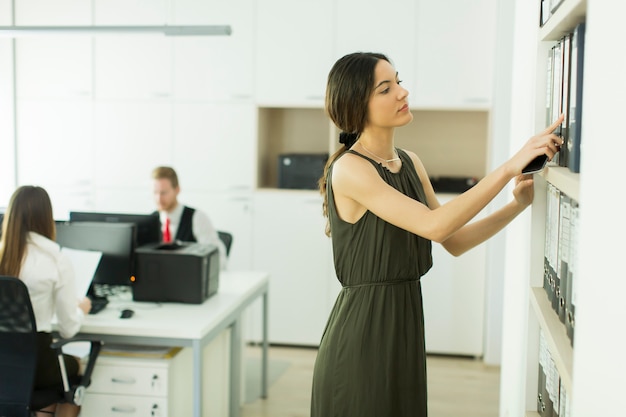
(179, 222)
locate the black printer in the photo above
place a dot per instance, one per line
(183, 272)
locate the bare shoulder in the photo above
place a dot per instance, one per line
(351, 172)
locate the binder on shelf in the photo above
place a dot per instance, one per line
(547, 285)
(575, 97)
(565, 89)
(544, 12)
(557, 89)
(554, 4)
(552, 244)
(564, 253)
(570, 296)
(544, 403)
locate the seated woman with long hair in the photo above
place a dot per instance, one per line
(28, 251)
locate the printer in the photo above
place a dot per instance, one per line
(183, 272)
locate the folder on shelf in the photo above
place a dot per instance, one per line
(549, 87)
(552, 241)
(564, 252)
(575, 97)
(565, 89)
(547, 285)
(570, 296)
(544, 403)
(544, 12)
(554, 4)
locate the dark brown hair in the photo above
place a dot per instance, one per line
(348, 89)
(30, 210)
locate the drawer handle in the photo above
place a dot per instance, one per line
(129, 380)
(127, 409)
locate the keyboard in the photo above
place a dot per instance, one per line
(98, 304)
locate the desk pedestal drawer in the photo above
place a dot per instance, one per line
(130, 380)
(104, 405)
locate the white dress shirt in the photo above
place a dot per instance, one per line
(202, 228)
(49, 277)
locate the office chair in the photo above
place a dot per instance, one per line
(18, 357)
(227, 239)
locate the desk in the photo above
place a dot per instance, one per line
(190, 325)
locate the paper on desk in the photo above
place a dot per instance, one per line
(85, 263)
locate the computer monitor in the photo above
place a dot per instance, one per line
(148, 225)
(115, 241)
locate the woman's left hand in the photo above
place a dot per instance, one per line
(524, 191)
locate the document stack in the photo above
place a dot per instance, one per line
(552, 398)
(564, 94)
(559, 278)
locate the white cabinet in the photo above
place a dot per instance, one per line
(294, 44)
(133, 67)
(290, 244)
(363, 26)
(214, 67)
(454, 300)
(57, 150)
(53, 12)
(214, 145)
(133, 12)
(232, 213)
(57, 67)
(455, 48)
(137, 386)
(131, 383)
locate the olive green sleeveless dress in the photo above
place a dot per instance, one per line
(371, 360)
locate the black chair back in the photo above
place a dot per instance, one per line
(18, 348)
(227, 239)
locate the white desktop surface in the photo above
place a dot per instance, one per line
(193, 325)
(176, 320)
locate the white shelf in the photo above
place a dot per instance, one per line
(558, 343)
(564, 19)
(563, 179)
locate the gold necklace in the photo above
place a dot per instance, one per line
(397, 158)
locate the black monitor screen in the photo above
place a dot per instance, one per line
(114, 240)
(148, 225)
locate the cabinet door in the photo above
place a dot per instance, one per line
(290, 244)
(131, 139)
(293, 51)
(232, 213)
(130, 12)
(52, 12)
(56, 67)
(214, 146)
(214, 67)
(7, 127)
(454, 300)
(455, 48)
(56, 152)
(363, 25)
(133, 67)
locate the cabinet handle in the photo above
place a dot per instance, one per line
(129, 380)
(129, 409)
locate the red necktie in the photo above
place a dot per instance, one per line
(167, 236)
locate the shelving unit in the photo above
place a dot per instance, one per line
(541, 314)
(449, 142)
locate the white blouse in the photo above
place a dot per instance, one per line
(49, 276)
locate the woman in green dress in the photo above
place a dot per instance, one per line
(382, 216)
